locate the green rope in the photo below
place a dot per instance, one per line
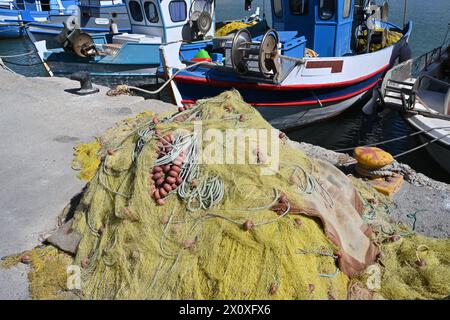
(325, 254)
(330, 275)
(414, 217)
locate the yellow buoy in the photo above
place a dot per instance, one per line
(372, 158)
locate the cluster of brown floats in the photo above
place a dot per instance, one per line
(165, 178)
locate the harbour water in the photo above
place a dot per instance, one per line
(352, 128)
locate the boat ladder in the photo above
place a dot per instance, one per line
(400, 93)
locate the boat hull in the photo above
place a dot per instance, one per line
(308, 115)
(10, 24)
(289, 109)
(108, 74)
(9, 31)
(439, 151)
(439, 142)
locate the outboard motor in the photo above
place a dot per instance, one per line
(200, 17)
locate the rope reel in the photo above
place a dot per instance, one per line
(262, 56)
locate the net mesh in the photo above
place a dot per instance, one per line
(279, 236)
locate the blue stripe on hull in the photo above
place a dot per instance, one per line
(9, 32)
(195, 91)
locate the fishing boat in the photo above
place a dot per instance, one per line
(15, 14)
(90, 16)
(420, 89)
(133, 58)
(45, 19)
(319, 58)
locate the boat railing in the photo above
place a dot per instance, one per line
(413, 67)
(423, 62)
(9, 5)
(426, 81)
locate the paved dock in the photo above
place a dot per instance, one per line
(40, 123)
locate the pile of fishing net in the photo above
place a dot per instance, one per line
(161, 220)
(233, 26)
(389, 37)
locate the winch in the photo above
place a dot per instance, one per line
(262, 57)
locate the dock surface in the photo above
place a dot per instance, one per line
(40, 123)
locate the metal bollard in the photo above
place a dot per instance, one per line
(84, 78)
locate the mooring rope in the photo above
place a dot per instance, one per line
(18, 55)
(124, 87)
(421, 146)
(393, 140)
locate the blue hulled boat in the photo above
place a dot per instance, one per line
(90, 16)
(15, 14)
(320, 58)
(133, 58)
(45, 19)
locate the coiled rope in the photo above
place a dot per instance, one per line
(19, 55)
(123, 88)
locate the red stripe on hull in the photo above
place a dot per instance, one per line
(304, 103)
(265, 86)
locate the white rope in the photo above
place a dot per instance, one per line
(170, 79)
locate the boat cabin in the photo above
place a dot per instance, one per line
(172, 20)
(326, 24)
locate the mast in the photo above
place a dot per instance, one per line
(404, 12)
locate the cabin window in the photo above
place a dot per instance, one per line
(299, 7)
(178, 10)
(151, 12)
(45, 5)
(278, 8)
(347, 8)
(327, 9)
(135, 11)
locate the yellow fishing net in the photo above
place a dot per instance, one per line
(133, 248)
(48, 274)
(257, 236)
(232, 27)
(410, 266)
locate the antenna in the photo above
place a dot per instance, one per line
(405, 6)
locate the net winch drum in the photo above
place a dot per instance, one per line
(200, 16)
(262, 56)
